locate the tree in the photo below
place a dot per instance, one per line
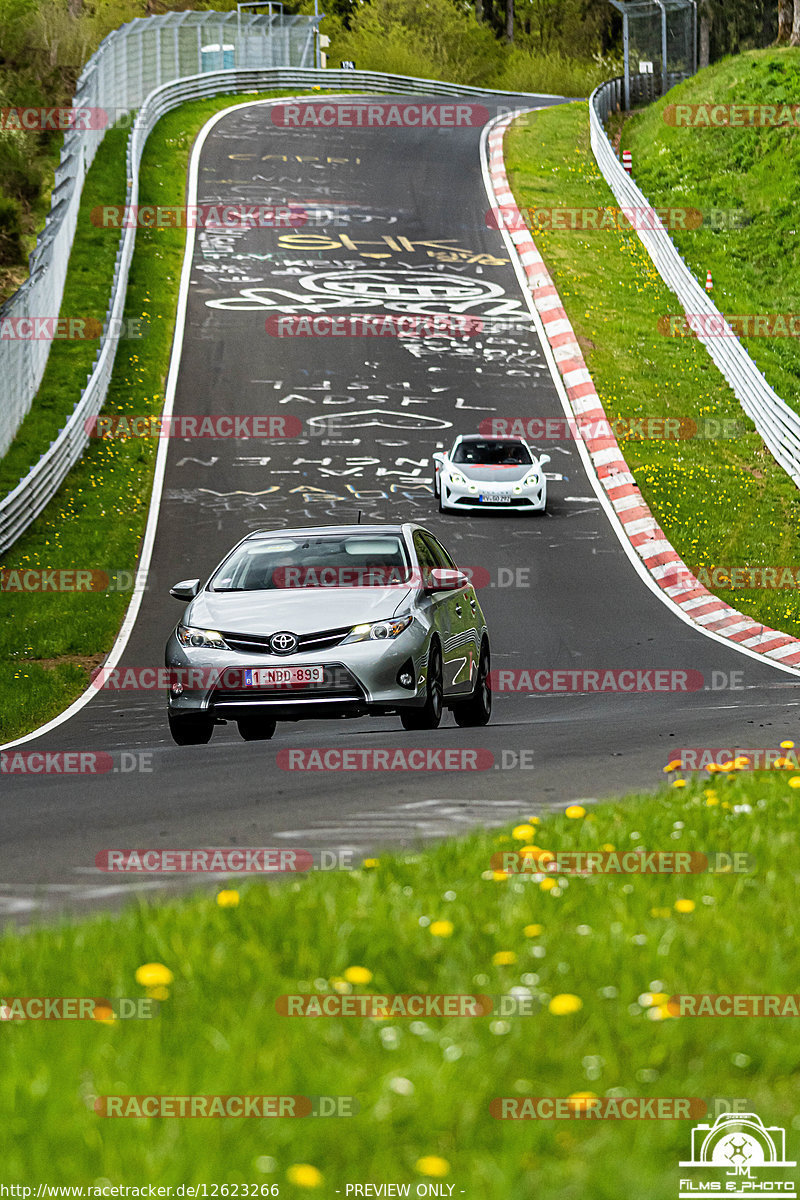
(794, 40)
(510, 20)
(784, 21)
(706, 21)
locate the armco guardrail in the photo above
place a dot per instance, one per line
(126, 67)
(775, 421)
(21, 506)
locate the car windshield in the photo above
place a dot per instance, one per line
(343, 560)
(492, 454)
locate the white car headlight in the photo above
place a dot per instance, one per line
(208, 639)
(379, 631)
(457, 477)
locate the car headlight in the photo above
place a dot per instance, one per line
(208, 639)
(532, 479)
(379, 631)
(456, 478)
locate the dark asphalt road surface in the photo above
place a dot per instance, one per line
(396, 224)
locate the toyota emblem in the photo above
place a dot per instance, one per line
(283, 643)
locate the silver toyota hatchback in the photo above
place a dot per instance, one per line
(331, 621)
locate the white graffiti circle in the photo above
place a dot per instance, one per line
(395, 290)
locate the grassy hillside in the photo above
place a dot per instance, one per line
(753, 171)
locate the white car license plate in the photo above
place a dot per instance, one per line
(282, 676)
(495, 498)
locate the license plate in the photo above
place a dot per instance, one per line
(496, 498)
(282, 676)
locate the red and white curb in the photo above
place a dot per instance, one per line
(640, 526)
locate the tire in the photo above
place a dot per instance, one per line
(191, 730)
(477, 710)
(256, 729)
(429, 716)
(441, 502)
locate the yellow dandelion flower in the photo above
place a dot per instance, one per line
(674, 765)
(154, 975)
(229, 898)
(370, 863)
(575, 812)
(432, 1165)
(564, 1004)
(787, 745)
(547, 885)
(582, 1101)
(684, 906)
(521, 833)
(358, 975)
(304, 1175)
(794, 782)
(504, 958)
(442, 929)
(533, 930)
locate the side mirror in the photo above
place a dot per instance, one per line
(543, 458)
(438, 457)
(445, 579)
(187, 589)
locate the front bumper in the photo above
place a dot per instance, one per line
(360, 678)
(530, 498)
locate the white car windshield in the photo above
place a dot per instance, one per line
(339, 560)
(492, 454)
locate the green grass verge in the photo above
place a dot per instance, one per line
(722, 501)
(619, 943)
(50, 640)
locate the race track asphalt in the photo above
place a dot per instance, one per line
(396, 221)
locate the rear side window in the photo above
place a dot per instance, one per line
(441, 558)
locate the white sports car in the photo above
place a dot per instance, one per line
(482, 472)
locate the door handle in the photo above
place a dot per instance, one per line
(458, 610)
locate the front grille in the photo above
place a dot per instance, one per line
(337, 684)
(514, 502)
(255, 643)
